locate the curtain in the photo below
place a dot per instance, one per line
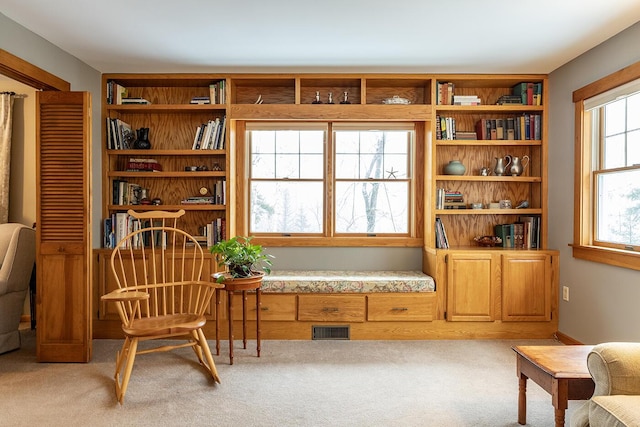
(6, 107)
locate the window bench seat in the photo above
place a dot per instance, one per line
(329, 282)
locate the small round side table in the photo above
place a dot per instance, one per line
(238, 285)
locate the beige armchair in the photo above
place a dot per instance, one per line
(17, 255)
(615, 368)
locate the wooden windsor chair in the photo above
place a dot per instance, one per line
(160, 294)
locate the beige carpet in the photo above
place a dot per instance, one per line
(294, 383)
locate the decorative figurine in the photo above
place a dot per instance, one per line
(142, 143)
(345, 98)
(330, 98)
(317, 100)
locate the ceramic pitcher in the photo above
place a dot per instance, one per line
(517, 166)
(501, 165)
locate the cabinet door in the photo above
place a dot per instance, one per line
(63, 215)
(473, 286)
(526, 287)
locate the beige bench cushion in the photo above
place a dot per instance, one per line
(347, 281)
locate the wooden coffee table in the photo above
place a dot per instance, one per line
(561, 370)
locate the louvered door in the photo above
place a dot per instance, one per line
(63, 123)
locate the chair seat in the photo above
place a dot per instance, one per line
(168, 325)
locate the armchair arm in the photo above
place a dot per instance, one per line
(120, 296)
(615, 368)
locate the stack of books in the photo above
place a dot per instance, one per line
(135, 101)
(143, 165)
(466, 100)
(453, 200)
(200, 100)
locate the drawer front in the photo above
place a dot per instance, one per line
(331, 308)
(273, 307)
(409, 307)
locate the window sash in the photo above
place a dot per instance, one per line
(330, 182)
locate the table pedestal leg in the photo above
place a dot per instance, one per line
(218, 322)
(258, 309)
(244, 319)
(522, 400)
(230, 314)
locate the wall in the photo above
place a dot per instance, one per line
(32, 48)
(603, 303)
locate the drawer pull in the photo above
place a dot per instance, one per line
(399, 309)
(264, 308)
(330, 309)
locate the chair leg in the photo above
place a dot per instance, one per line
(129, 349)
(197, 348)
(207, 353)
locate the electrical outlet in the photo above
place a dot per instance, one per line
(565, 293)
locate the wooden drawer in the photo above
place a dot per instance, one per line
(331, 308)
(273, 307)
(406, 307)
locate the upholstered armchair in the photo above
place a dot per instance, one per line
(615, 368)
(17, 255)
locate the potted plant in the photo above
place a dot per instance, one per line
(241, 258)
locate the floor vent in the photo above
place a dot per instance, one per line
(330, 332)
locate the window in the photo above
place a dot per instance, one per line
(330, 180)
(608, 180)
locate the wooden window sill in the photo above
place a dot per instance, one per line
(617, 257)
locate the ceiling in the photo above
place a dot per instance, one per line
(430, 36)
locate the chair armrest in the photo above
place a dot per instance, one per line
(615, 368)
(122, 295)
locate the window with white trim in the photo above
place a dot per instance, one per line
(615, 137)
(330, 179)
(607, 175)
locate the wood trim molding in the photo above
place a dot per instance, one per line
(566, 339)
(24, 72)
(625, 75)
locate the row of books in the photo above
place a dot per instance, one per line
(524, 127)
(120, 224)
(446, 129)
(444, 93)
(523, 234)
(218, 93)
(120, 135)
(523, 93)
(126, 193)
(441, 235)
(530, 93)
(210, 135)
(115, 93)
(215, 231)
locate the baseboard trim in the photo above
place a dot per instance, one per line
(566, 339)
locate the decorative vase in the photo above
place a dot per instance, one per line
(454, 167)
(142, 142)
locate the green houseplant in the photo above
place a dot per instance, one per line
(241, 258)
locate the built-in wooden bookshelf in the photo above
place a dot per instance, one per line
(473, 283)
